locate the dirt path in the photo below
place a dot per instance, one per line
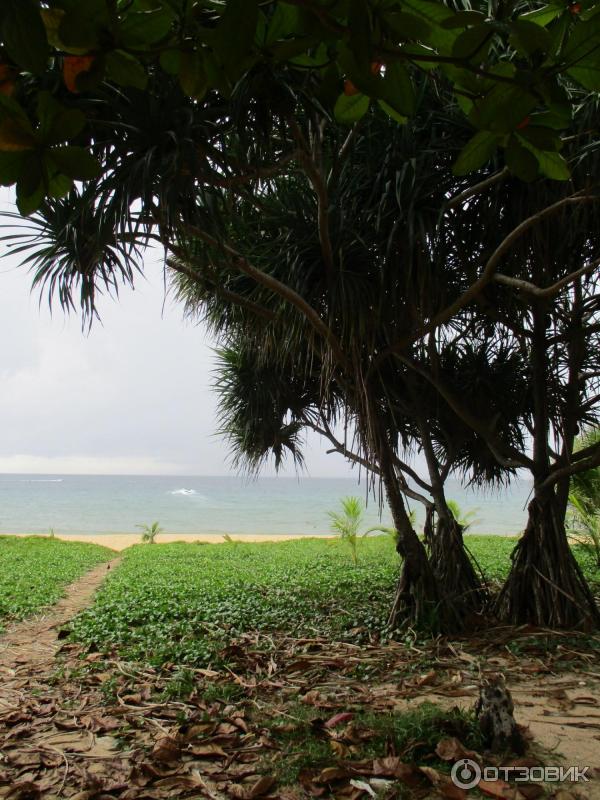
(32, 644)
(95, 728)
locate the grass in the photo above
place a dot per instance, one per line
(413, 735)
(183, 603)
(34, 571)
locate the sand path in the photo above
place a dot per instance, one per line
(119, 541)
(32, 644)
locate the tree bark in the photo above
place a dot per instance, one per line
(417, 600)
(458, 582)
(545, 586)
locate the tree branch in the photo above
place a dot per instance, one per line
(227, 294)
(339, 447)
(572, 469)
(513, 458)
(487, 273)
(277, 287)
(459, 199)
(548, 291)
(319, 185)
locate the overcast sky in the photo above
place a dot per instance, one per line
(131, 397)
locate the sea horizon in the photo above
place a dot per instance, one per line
(199, 504)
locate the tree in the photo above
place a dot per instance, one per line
(61, 60)
(387, 273)
(174, 169)
(543, 293)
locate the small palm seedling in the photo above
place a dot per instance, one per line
(584, 523)
(466, 519)
(584, 500)
(347, 523)
(150, 532)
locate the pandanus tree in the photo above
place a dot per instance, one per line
(385, 274)
(542, 293)
(163, 161)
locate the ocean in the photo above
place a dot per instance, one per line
(91, 504)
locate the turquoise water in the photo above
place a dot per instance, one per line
(85, 504)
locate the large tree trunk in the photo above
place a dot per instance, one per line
(545, 586)
(458, 582)
(417, 600)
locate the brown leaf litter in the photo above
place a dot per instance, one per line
(93, 728)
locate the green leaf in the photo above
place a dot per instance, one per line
(407, 26)
(57, 123)
(359, 23)
(529, 38)
(170, 61)
(558, 119)
(587, 73)
(11, 166)
(582, 53)
(476, 153)
(28, 203)
(24, 34)
(13, 137)
(349, 109)
(392, 112)
(125, 70)
(16, 132)
(435, 14)
(234, 36)
(552, 165)
(541, 138)
(285, 21)
(143, 29)
(59, 185)
(473, 43)
(463, 19)
(543, 16)
(520, 161)
(503, 108)
(30, 185)
(84, 25)
(75, 162)
(192, 75)
(397, 89)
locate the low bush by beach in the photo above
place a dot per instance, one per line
(184, 603)
(34, 571)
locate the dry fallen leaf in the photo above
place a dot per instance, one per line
(364, 787)
(166, 749)
(451, 749)
(499, 789)
(206, 751)
(338, 719)
(443, 783)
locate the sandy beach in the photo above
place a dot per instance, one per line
(119, 541)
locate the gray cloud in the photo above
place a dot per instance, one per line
(132, 396)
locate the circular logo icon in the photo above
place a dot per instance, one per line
(466, 773)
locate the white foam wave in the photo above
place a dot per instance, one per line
(184, 491)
